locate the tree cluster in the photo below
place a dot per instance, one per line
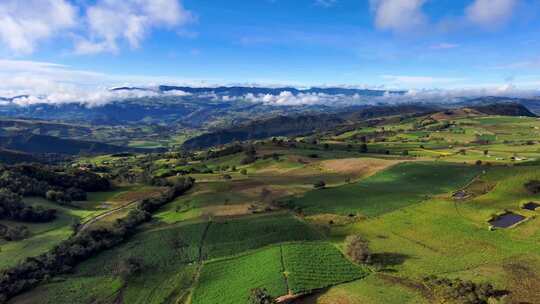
(53, 183)
(14, 233)
(12, 207)
(458, 291)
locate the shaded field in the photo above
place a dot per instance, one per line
(167, 258)
(44, 236)
(397, 187)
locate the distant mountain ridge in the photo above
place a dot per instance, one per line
(307, 124)
(243, 90)
(295, 125)
(504, 109)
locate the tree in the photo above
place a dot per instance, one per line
(363, 148)
(405, 152)
(243, 172)
(357, 248)
(486, 152)
(260, 296)
(319, 185)
(129, 267)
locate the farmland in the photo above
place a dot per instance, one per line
(398, 187)
(421, 198)
(229, 281)
(294, 268)
(237, 236)
(312, 266)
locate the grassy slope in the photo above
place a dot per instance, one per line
(167, 256)
(448, 238)
(45, 236)
(397, 187)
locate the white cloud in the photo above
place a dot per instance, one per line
(112, 21)
(25, 23)
(98, 27)
(325, 3)
(405, 81)
(398, 15)
(490, 13)
(444, 46)
(287, 98)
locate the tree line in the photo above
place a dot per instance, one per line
(57, 184)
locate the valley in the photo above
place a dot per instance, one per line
(421, 189)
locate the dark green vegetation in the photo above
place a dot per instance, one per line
(379, 209)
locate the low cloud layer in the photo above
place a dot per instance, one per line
(91, 99)
(43, 82)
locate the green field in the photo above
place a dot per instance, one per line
(236, 236)
(293, 267)
(229, 281)
(395, 188)
(312, 266)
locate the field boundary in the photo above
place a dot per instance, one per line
(283, 270)
(85, 225)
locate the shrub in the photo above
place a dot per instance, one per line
(260, 296)
(533, 186)
(458, 291)
(363, 148)
(357, 248)
(319, 185)
(129, 267)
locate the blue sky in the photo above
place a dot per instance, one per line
(411, 44)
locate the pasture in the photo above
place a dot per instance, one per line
(397, 187)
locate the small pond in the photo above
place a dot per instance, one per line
(506, 220)
(531, 206)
